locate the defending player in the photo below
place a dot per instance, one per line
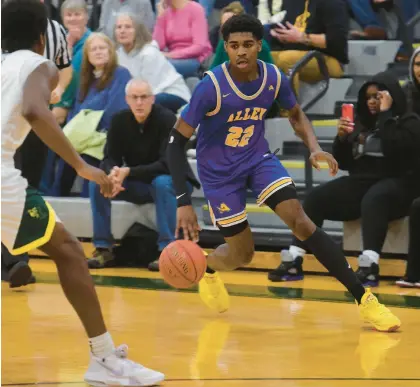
(27, 220)
(230, 105)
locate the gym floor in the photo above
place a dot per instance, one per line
(302, 334)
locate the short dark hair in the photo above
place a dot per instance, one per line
(22, 23)
(243, 23)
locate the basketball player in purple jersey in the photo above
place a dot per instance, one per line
(229, 105)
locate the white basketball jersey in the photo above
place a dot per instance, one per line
(15, 70)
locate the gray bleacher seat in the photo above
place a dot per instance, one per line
(370, 57)
(192, 82)
(76, 215)
(396, 240)
(337, 91)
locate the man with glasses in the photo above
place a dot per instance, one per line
(135, 159)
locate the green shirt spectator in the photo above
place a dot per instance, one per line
(221, 56)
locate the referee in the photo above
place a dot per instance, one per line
(30, 157)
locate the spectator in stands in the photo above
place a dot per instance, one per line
(412, 274)
(142, 57)
(270, 10)
(75, 18)
(366, 17)
(181, 32)
(381, 153)
(320, 25)
(413, 86)
(110, 8)
(135, 157)
(221, 56)
(234, 8)
(102, 85)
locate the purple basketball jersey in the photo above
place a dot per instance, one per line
(230, 116)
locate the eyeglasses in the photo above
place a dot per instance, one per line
(142, 98)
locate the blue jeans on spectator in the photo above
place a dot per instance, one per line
(186, 67)
(170, 101)
(160, 191)
(48, 174)
(65, 176)
(364, 13)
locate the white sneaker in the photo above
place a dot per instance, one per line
(117, 370)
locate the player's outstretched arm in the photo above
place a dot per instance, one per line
(303, 129)
(35, 109)
(178, 164)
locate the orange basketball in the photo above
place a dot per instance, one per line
(182, 264)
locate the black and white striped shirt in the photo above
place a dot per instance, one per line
(56, 48)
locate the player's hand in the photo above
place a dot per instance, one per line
(318, 156)
(186, 219)
(99, 177)
(345, 126)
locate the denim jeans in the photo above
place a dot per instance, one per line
(364, 13)
(65, 176)
(161, 192)
(186, 67)
(170, 101)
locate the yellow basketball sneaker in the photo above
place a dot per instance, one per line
(373, 312)
(213, 292)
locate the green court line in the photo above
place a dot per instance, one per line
(257, 291)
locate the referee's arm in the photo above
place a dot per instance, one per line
(62, 61)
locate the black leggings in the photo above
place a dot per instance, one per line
(413, 260)
(376, 202)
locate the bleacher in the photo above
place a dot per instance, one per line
(366, 59)
(322, 103)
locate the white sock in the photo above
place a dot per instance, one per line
(296, 251)
(102, 346)
(373, 255)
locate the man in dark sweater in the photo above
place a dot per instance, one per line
(135, 158)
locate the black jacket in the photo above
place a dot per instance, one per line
(329, 17)
(142, 147)
(397, 129)
(412, 88)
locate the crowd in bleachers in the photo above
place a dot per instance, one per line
(133, 74)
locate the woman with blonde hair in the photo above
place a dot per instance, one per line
(102, 88)
(141, 56)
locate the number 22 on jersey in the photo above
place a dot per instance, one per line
(238, 136)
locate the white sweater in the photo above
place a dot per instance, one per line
(151, 65)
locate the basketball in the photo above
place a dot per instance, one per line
(182, 264)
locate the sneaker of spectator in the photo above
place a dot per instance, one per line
(142, 57)
(181, 32)
(320, 25)
(135, 159)
(110, 9)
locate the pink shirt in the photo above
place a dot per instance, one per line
(184, 32)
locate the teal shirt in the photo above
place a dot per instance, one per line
(69, 94)
(221, 55)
